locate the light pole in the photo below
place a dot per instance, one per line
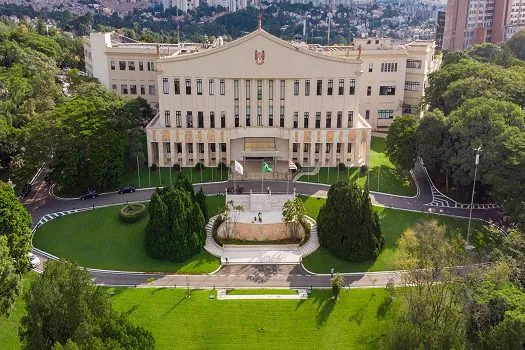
(469, 246)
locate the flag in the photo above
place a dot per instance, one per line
(291, 165)
(266, 168)
(239, 168)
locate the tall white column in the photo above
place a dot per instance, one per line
(357, 148)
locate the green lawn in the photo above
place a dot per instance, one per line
(390, 181)
(98, 239)
(357, 320)
(9, 325)
(393, 224)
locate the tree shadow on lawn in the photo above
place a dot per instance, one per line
(325, 305)
(390, 181)
(357, 316)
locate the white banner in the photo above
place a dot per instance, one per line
(238, 168)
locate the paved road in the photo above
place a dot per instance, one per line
(40, 203)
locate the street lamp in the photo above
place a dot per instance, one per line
(469, 246)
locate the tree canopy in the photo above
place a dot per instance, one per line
(9, 281)
(347, 225)
(175, 230)
(65, 308)
(400, 142)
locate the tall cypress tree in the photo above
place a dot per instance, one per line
(157, 228)
(347, 225)
(200, 198)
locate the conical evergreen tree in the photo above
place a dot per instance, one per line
(157, 228)
(200, 198)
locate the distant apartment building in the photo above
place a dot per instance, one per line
(183, 5)
(440, 29)
(230, 5)
(470, 22)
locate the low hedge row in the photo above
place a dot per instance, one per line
(307, 227)
(132, 212)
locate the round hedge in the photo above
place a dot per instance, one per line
(132, 212)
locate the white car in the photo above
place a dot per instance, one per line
(34, 261)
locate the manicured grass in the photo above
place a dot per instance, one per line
(9, 325)
(393, 224)
(390, 181)
(260, 291)
(357, 320)
(98, 239)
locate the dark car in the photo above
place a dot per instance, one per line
(89, 193)
(26, 189)
(127, 189)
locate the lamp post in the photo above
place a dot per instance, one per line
(469, 246)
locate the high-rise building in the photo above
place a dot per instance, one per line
(470, 22)
(440, 29)
(183, 5)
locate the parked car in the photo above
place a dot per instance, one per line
(34, 261)
(26, 189)
(89, 193)
(127, 189)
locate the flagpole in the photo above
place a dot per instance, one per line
(233, 174)
(262, 178)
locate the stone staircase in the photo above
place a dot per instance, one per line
(306, 173)
(313, 243)
(211, 246)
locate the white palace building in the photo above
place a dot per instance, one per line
(259, 97)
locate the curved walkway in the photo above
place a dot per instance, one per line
(43, 206)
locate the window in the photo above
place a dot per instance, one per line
(319, 87)
(178, 119)
(414, 64)
(349, 147)
(142, 90)
(408, 109)
(369, 91)
(412, 85)
(281, 102)
(212, 147)
(176, 82)
(189, 119)
(259, 102)
(385, 114)
(211, 85)
(151, 90)
(168, 147)
(199, 86)
(124, 89)
(223, 147)
(339, 146)
(222, 87)
(317, 148)
(370, 67)
(236, 101)
(270, 102)
(317, 120)
(133, 89)
(296, 88)
(350, 119)
(131, 65)
(328, 147)
(295, 120)
(167, 119)
(114, 87)
(112, 64)
(367, 114)
(328, 120)
(306, 147)
(248, 104)
(189, 147)
(339, 119)
(179, 147)
(165, 86)
(341, 86)
(200, 120)
(330, 87)
(151, 66)
(212, 120)
(307, 88)
(352, 86)
(201, 147)
(122, 65)
(305, 124)
(188, 86)
(295, 147)
(387, 90)
(223, 120)
(389, 67)
(141, 66)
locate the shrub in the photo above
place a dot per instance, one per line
(132, 212)
(176, 167)
(307, 227)
(199, 166)
(363, 168)
(341, 167)
(215, 228)
(153, 167)
(337, 284)
(222, 166)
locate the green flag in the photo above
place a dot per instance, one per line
(266, 168)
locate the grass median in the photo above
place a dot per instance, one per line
(99, 239)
